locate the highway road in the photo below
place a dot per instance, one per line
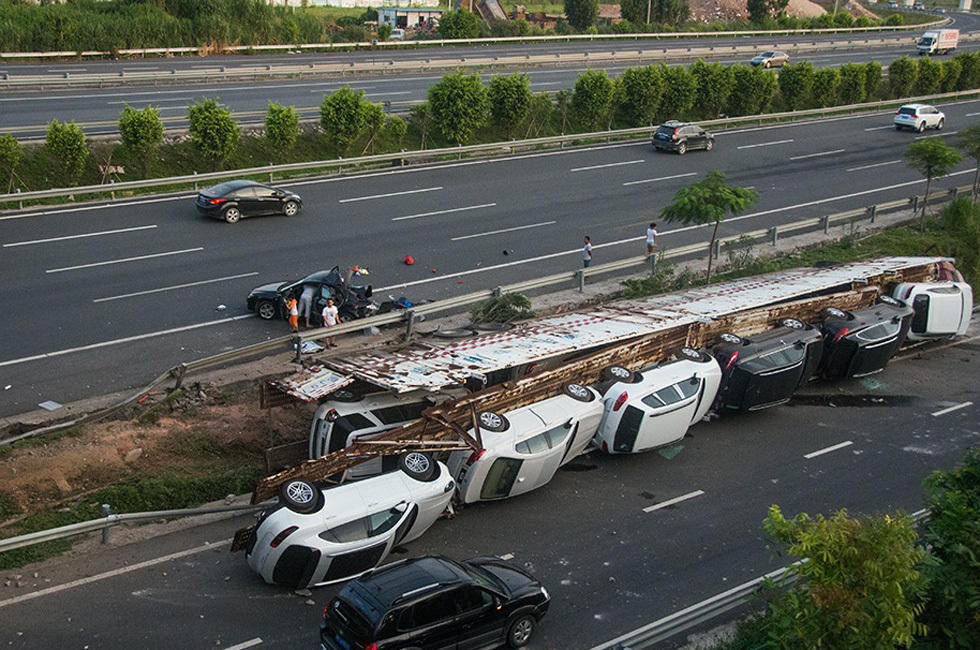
(101, 298)
(610, 557)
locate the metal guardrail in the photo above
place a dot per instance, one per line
(504, 147)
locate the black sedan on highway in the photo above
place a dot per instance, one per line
(233, 200)
(269, 300)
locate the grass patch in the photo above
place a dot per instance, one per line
(8, 507)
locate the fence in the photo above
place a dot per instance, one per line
(503, 148)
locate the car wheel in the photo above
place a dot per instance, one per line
(232, 214)
(833, 312)
(519, 632)
(766, 65)
(492, 421)
(898, 127)
(728, 337)
(618, 373)
(266, 310)
(888, 300)
(939, 126)
(578, 392)
(417, 464)
(345, 396)
(681, 149)
(709, 145)
(299, 495)
(453, 333)
(290, 208)
(793, 324)
(690, 353)
(921, 127)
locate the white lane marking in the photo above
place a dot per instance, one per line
(890, 162)
(972, 114)
(507, 556)
(128, 339)
(99, 206)
(765, 144)
(661, 178)
(388, 93)
(939, 134)
(176, 286)
(951, 409)
(670, 502)
(389, 194)
(497, 232)
(615, 164)
(546, 83)
(88, 234)
(827, 450)
(111, 574)
(141, 68)
(448, 211)
(246, 644)
(880, 128)
(815, 155)
(66, 70)
(168, 99)
(123, 260)
(352, 89)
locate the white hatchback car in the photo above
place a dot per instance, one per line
(655, 406)
(317, 536)
(919, 117)
(523, 449)
(942, 309)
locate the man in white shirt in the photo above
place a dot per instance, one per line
(652, 238)
(330, 317)
(587, 252)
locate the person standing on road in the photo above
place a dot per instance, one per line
(652, 238)
(330, 317)
(293, 311)
(306, 301)
(587, 252)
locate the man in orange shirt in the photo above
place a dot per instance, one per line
(293, 311)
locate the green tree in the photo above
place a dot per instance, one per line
(952, 69)
(708, 201)
(141, 132)
(510, 100)
(10, 152)
(581, 14)
(642, 88)
(901, 76)
(680, 88)
(762, 10)
(66, 141)
(826, 87)
(281, 126)
(714, 85)
(420, 116)
(859, 582)
(969, 142)
(344, 115)
(395, 129)
(872, 79)
(852, 83)
(592, 99)
(635, 11)
(213, 131)
(843, 19)
(542, 110)
(928, 77)
(796, 84)
(459, 24)
(459, 105)
(374, 121)
(932, 158)
(752, 91)
(384, 32)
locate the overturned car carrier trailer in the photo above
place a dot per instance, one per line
(630, 333)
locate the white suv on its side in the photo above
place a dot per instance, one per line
(919, 117)
(317, 536)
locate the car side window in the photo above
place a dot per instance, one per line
(439, 607)
(264, 192)
(470, 599)
(400, 412)
(245, 193)
(500, 479)
(688, 387)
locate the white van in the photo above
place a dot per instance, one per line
(942, 309)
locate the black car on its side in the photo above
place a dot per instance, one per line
(233, 200)
(681, 136)
(861, 342)
(764, 370)
(433, 602)
(269, 300)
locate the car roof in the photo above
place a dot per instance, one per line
(916, 106)
(674, 371)
(396, 581)
(381, 399)
(769, 341)
(878, 313)
(230, 186)
(530, 420)
(673, 124)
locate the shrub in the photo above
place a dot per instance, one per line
(641, 88)
(10, 153)
(852, 83)
(796, 84)
(679, 92)
(281, 126)
(872, 78)
(826, 87)
(66, 142)
(459, 24)
(581, 13)
(459, 105)
(141, 132)
(752, 90)
(510, 100)
(952, 70)
(213, 131)
(503, 309)
(928, 77)
(592, 99)
(714, 85)
(343, 116)
(901, 76)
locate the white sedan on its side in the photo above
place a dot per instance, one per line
(919, 117)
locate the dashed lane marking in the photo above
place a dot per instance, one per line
(390, 194)
(448, 211)
(765, 144)
(83, 235)
(951, 409)
(670, 502)
(615, 164)
(497, 232)
(124, 260)
(827, 450)
(176, 286)
(816, 155)
(246, 644)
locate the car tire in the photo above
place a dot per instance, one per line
(619, 373)
(898, 127)
(940, 124)
(290, 208)
(266, 309)
(888, 300)
(691, 354)
(520, 630)
(793, 324)
(921, 127)
(232, 215)
(453, 333)
(493, 421)
(343, 395)
(766, 65)
(709, 145)
(299, 495)
(681, 149)
(832, 312)
(733, 339)
(578, 392)
(418, 465)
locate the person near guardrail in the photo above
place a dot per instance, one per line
(293, 310)
(330, 316)
(587, 252)
(652, 238)
(306, 301)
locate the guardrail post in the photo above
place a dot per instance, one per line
(653, 264)
(106, 511)
(409, 323)
(580, 276)
(112, 193)
(20, 203)
(298, 344)
(497, 292)
(774, 234)
(825, 220)
(716, 253)
(872, 212)
(178, 373)
(915, 204)
(195, 182)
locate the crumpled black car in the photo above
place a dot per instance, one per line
(860, 343)
(269, 300)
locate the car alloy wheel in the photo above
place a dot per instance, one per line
(939, 126)
(730, 338)
(888, 300)
(232, 215)
(266, 310)
(578, 392)
(690, 353)
(921, 127)
(417, 462)
(290, 208)
(299, 495)
(520, 632)
(620, 373)
(299, 491)
(492, 421)
(681, 149)
(834, 312)
(793, 324)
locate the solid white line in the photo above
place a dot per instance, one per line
(388, 93)
(972, 114)
(176, 286)
(661, 178)
(952, 408)
(88, 234)
(880, 128)
(670, 502)
(936, 135)
(99, 206)
(384, 196)
(128, 339)
(827, 450)
(168, 99)
(111, 574)
(497, 232)
(616, 164)
(246, 644)
(450, 210)
(890, 162)
(353, 89)
(765, 144)
(814, 155)
(124, 259)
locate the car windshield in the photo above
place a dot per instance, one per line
(778, 359)
(484, 578)
(878, 332)
(666, 130)
(767, 54)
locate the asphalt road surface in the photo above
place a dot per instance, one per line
(611, 559)
(102, 298)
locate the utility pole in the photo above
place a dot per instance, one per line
(649, 2)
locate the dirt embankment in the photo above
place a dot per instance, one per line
(711, 10)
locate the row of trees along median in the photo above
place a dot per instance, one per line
(461, 109)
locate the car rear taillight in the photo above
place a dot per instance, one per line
(732, 358)
(373, 646)
(332, 415)
(674, 137)
(277, 540)
(840, 334)
(908, 292)
(216, 201)
(620, 400)
(475, 456)
(605, 447)
(326, 610)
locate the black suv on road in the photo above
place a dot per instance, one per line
(432, 602)
(681, 136)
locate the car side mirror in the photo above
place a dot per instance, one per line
(568, 425)
(399, 508)
(694, 380)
